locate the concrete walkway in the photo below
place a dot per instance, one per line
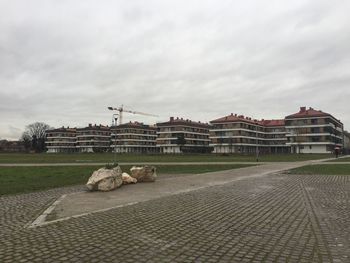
(84, 203)
(125, 163)
(328, 160)
(258, 216)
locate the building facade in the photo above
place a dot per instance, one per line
(313, 131)
(183, 136)
(238, 134)
(134, 137)
(61, 140)
(12, 146)
(275, 136)
(346, 143)
(94, 138)
(307, 131)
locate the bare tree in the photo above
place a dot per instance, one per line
(299, 137)
(27, 141)
(34, 136)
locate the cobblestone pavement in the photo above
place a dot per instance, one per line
(275, 218)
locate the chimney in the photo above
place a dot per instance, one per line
(302, 109)
(90, 125)
(231, 114)
(235, 114)
(171, 119)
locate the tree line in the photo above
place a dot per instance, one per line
(34, 136)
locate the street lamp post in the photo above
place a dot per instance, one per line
(114, 135)
(114, 119)
(257, 147)
(115, 146)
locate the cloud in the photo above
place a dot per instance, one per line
(63, 63)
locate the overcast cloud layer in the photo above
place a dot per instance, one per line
(64, 62)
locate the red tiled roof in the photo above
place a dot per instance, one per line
(62, 129)
(236, 118)
(271, 123)
(307, 113)
(94, 127)
(134, 125)
(241, 118)
(181, 121)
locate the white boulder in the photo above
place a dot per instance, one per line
(105, 179)
(127, 179)
(144, 173)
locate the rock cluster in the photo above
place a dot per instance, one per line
(144, 173)
(109, 179)
(105, 179)
(127, 179)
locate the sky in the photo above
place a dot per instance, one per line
(64, 62)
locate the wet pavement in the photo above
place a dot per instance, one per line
(275, 217)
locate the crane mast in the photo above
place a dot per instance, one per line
(120, 114)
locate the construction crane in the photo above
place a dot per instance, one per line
(120, 114)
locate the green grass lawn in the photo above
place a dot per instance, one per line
(323, 169)
(347, 159)
(109, 157)
(28, 179)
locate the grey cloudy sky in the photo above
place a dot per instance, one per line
(63, 62)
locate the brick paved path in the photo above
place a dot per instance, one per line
(275, 218)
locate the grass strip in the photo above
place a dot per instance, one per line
(109, 157)
(14, 180)
(347, 159)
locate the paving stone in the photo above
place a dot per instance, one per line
(280, 218)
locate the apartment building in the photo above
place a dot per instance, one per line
(307, 131)
(239, 134)
(94, 138)
(313, 131)
(61, 140)
(134, 137)
(346, 142)
(183, 136)
(236, 134)
(12, 146)
(275, 136)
